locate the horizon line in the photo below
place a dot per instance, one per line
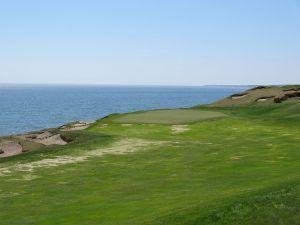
(134, 85)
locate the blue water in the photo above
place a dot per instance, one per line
(28, 108)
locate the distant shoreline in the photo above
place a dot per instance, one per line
(35, 107)
(118, 85)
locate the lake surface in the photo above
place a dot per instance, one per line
(30, 107)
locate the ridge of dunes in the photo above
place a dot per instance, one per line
(261, 95)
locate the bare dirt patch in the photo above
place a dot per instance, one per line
(10, 148)
(52, 140)
(45, 138)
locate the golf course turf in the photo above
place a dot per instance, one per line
(171, 116)
(206, 165)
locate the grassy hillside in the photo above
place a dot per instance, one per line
(206, 165)
(261, 95)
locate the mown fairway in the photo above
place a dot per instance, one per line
(238, 169)
(174, 116)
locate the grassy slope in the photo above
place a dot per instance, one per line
(241, 169)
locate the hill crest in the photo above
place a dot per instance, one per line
(261, 95)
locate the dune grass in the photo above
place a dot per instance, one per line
(242, 169)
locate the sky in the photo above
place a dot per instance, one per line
(155, 42)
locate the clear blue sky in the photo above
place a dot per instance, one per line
(166, 42)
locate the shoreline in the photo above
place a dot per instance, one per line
(15, 144)
(36, 108)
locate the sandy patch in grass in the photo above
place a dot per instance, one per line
(52, 140)
(80, 125)
(126, 125)
(4, 171)
(124, 146)
(262, 99)
(10, 148)
(239, 96)
(179, 128)
(45, 138)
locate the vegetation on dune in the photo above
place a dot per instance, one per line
(261, 95)
(144, 168)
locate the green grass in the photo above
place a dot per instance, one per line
(241, 169)
(171, 116)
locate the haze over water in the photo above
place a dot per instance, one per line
(32, 107)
